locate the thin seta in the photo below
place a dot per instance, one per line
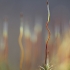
(46, 65)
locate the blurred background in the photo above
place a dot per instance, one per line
(28, 19)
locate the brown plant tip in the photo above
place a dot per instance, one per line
(21, 14)
(47, 2)
(6, 19)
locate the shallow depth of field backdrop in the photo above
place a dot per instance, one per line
(35, 33)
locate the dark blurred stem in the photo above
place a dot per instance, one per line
(46, 54)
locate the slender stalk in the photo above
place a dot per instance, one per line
(20, 43)
(5, 37)
(22, 51)
(46, 51)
